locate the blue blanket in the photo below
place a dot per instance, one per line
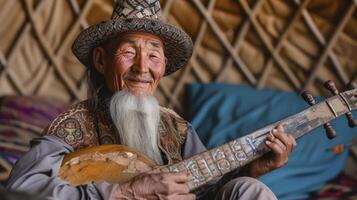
(222, 112)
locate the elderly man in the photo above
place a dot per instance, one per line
(126, 57)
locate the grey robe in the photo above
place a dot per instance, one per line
(36, 172)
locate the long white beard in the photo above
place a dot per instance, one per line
(137, 120)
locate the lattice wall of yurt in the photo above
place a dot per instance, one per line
(283, 44)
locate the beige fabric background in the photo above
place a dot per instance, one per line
(283, 44)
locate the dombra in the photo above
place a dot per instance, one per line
(118, 163)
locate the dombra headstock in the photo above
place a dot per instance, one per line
(117, 163)
(350, 99)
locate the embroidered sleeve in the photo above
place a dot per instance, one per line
(75, 127)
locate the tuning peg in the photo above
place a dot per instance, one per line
(308, 98)
(351, 122)
(351, 85)
(330, 85)
(330, 132)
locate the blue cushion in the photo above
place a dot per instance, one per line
(221, 112)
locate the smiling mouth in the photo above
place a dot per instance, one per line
(138, 80)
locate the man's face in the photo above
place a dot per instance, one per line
(136, 64)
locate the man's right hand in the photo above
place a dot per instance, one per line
(155, 186)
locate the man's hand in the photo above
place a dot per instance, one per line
(156, 186)
(281, 145)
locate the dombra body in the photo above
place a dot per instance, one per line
(111, 163)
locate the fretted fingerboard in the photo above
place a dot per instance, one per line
(218, 161)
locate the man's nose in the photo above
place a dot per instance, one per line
(140, 63)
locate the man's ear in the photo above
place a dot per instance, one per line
(98, 59)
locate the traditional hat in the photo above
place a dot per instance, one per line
(136, 16)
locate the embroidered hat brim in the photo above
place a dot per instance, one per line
(177, 44)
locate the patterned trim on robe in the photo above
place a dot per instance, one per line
(173, 131)
(77, 127)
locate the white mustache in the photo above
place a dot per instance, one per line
(140, 77)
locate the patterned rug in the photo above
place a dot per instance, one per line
(341, 188)
(21, 119)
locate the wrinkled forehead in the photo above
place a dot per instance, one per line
(133, 38)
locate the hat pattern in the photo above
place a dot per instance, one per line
(137, 9)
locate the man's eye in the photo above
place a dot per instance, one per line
(154, 56)
(129, 52)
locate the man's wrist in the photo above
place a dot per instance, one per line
(251, 170)
(122, 192)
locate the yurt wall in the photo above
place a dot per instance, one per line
(284, 44)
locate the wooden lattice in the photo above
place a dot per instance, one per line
(283, 44)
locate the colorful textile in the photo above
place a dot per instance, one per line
(21, 119)
(341, 188)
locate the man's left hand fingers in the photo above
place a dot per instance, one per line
(293, 142)
(286, 139)
(280, 128)
(277, 147)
